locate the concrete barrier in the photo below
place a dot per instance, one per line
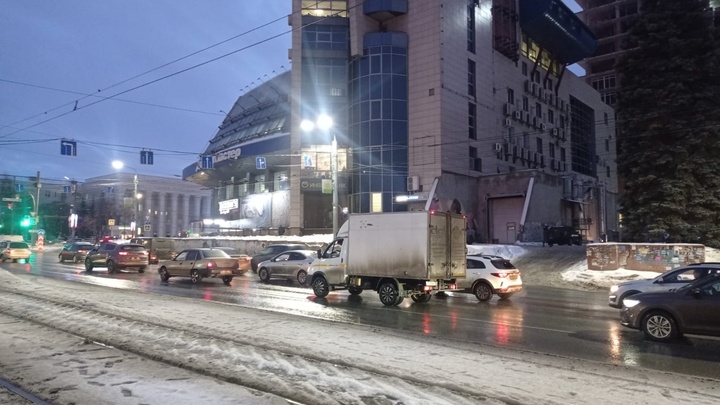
(657, 257)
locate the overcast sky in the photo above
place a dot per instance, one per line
(59, 59)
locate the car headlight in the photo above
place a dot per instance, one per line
(630, 302)
(613, 288)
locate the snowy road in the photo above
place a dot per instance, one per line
(284, 356)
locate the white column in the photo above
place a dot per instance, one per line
(185, 213)
(173, 213)
(162, 215)
(197, 214)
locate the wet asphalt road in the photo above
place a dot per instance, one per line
(560, 322)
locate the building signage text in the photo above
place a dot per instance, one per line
(227, 154)
(227, 205)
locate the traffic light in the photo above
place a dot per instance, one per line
(25, 222)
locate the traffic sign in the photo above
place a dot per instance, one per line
(11, 199)
(146, 227)
(260, 163)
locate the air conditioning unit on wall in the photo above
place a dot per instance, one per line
(413, 183)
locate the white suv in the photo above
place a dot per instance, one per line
(487, 275)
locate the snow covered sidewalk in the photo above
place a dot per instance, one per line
(304, 359)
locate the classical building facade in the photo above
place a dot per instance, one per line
(165, 206)
(432, 103)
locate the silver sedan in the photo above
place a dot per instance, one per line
(292, 265)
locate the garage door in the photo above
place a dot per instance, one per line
(505, 214)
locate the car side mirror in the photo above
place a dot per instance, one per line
(695, 292)
(319, 253)
(660, 281)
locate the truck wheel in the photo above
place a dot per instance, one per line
(388, 294)
(421, 298)
(355, 290)
(320, 287)
(483, 292)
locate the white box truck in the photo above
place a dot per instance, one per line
(405, 254)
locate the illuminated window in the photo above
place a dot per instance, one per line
(318, 8)
(376, 202)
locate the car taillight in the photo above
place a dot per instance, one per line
(501, 275)
(123, 253)
(210, 265)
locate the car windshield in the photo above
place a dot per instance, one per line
(19, 245)
(214, 253)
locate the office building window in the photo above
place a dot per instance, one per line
(471, 78)
(475, 161)
(472, 121)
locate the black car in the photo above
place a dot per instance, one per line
(273, 250)
(664, 316)
(75, 251)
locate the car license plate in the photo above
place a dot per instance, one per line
(513, 277)
(226, 273)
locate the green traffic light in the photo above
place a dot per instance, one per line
(25, 222)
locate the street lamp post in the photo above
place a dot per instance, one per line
(325, 123)
(119, 165)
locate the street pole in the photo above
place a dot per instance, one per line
(135, 205)
(334, 166)
(37, 205)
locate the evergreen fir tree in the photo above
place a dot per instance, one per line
(669, 125)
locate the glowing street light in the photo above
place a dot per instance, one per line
(325, 123)
(118, 165)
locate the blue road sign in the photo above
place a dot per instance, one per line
(260, 163)
(146, 157)
(68, 148)
(206, 162)
(19, 187)
(66, 189)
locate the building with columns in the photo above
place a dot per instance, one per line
(433, 103)
(166, 206)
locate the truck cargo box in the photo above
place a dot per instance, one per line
(410, 245)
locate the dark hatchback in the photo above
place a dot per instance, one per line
(664, 316)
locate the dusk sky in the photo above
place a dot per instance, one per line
(61, 59)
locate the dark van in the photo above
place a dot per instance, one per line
(158, 248)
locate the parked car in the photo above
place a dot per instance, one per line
(669, 280)
(562, 235)
(158, 248)
(487, 275)
(76, 251)
(663, 316)
(242, 258)
(200, 263)
(291, 265)
(117, 256)
(14, 251)
(273, 250)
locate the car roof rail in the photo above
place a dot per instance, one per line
(704, 263)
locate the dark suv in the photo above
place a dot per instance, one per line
(117, 256)
(273, 250)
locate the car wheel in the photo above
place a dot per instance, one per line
(483, 292)
(355, 290)
(659, 326)
(264, 274)
(227, 280)
(88, 265)
(60, 258)
(388, 294)
(421, 298)
(111, 266)
(164, 275)
(302, 277)
(320, 287)
(504, 296)
(141, 269)
(195, 276)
